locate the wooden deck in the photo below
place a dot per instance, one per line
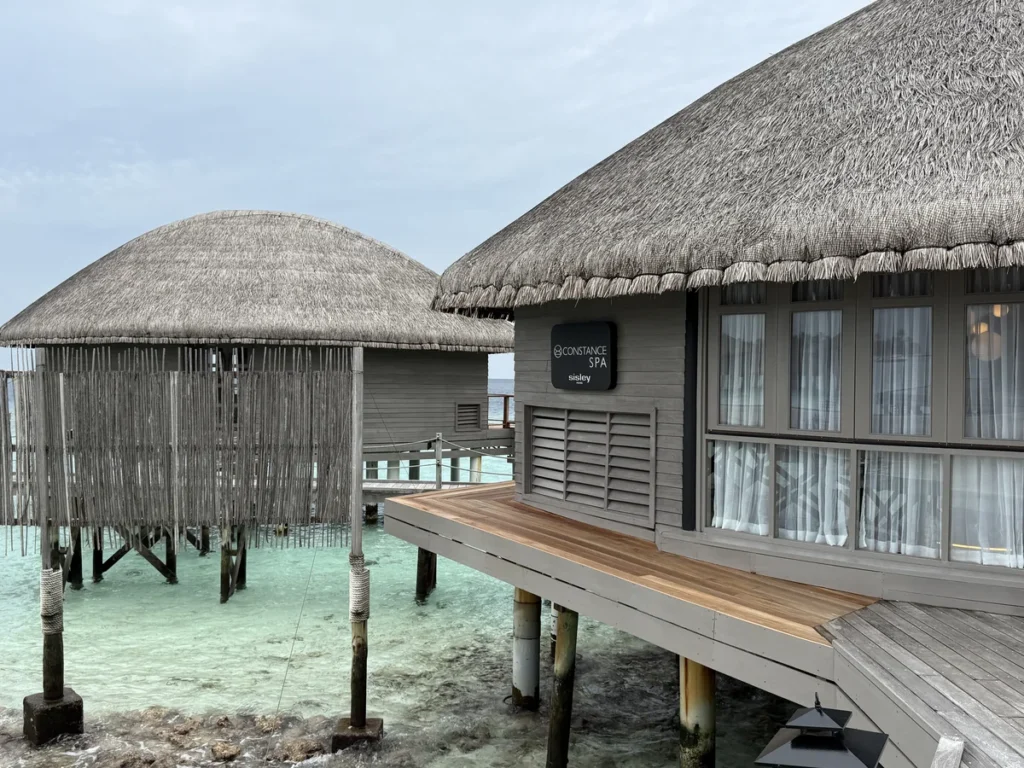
(950, 672)
(782, 606)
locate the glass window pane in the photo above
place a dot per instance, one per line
(740, 487)
(994, 396)
(744, 294)
(741, 371)
(901, 371)
(995, 280)
(818, 290)
(902, 285)
(813, 487)
(815, 370)
(900, 503)
(987, 511)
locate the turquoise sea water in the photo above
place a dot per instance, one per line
(440, 673)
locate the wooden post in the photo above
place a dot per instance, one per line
(476, 466)
(438, 447)
(75, 566)
(504, 417)
(554, 626)
(526, 650)
(204, 541)
(414, 469)
(562, 690)
(97, 554)
(426, 574)
(171, 556)
(243, 548)
(357, 727)
(455, 476)
(696, 715)
(372, 514)
(225, 563)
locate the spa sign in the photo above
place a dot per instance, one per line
(583, 356)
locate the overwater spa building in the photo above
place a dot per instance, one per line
(770, 384)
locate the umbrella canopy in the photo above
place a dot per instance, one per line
(889, 141)
(252, 277)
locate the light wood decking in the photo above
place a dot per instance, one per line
(783, 606)
(952, 672)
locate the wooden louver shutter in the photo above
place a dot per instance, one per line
(467, 417)
(547, 450)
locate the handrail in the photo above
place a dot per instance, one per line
(506, 419)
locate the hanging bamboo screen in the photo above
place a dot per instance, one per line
(184, 437)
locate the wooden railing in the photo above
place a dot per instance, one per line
(506, 410)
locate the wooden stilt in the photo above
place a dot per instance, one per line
(372, 514)
(426, 574)
(562, 690)
(554, 626)
(225, 563)
(243, 549)
(476, 466)
(97, 554)
(171, 556)
(456, 474)
(75, 566)
(526, 650)
(359, 656)
(414, 469)
(696, 715)
(204, 541)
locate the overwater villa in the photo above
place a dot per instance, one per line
(769, 364)
(215, 373)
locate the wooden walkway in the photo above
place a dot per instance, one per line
(783, 606)
(955, 673)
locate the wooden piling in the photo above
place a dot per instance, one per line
(171, 556)
(526, 650)
(225, 563)
(75, 565)
(359, 657)
(476, 466)
(562, 690)
(97, 554)
(456, 474)
(204, 541)
(696, 715)
(243, 551)
(372, 514)
(426, 574)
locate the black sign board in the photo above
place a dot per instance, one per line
(583, 356)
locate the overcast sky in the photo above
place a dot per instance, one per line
(426, 125)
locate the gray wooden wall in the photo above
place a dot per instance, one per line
(412, 395)
(650, 375)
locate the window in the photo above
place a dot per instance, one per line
(884, 416)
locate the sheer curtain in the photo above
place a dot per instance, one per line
(901, 371)
(815, 370)
(741, 375)
(742, 498)
(813, 487)
(901, 497)
(988, 493)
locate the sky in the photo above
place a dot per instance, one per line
(429, 126)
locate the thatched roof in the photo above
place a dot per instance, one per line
(252, 277)
(892, 140)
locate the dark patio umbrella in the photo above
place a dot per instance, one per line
(816, 737)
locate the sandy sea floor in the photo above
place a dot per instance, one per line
(167, 672)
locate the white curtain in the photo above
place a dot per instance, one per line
(816, 365)
(988, 511)
(742, 499)
(813, 487)
(741, 373)
(901, 500)
(988, 493)
(901, 391)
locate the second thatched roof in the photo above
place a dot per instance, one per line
(252, 277)
(892, 140)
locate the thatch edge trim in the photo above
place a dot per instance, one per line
(490, 300)
(203, 342)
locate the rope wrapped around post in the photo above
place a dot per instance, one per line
(51, 600)
(358, 589)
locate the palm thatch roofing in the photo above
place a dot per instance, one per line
(892, 140)
(252, 277)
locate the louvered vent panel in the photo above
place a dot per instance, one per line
(467, 417)
(547, 450)
(594, 458)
